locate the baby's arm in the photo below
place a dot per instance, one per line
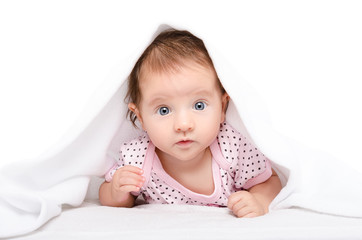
(117, 193)
(256, 201)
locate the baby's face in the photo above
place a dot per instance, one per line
(182, 111)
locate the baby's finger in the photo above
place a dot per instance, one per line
(243, 212)
(127, 174)
(131, 179)
(238, 205)
(235, 198)
(131, 168)
(129, 188)
(133, 182)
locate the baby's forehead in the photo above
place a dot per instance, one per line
(185, 81)
(149, 70)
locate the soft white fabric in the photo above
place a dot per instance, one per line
(191, 222)
(33, 193)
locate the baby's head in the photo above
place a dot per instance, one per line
(171, 51)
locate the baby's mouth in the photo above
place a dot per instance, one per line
(184, 143)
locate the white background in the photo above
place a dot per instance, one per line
(304, 58)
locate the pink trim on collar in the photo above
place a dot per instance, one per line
(157, 167)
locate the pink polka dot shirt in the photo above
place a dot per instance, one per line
(236, 165)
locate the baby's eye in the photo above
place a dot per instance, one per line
(163, 111)
(200, 106)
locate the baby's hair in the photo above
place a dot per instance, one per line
(166, 53)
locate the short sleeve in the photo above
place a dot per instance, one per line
(109, 175)
(246, 163)
(252, 166)
(130, 153)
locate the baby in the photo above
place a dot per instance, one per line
(188, 153)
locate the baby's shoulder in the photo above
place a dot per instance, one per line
(229, 136)
(231, 142)
(134, 151)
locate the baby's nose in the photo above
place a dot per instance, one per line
(184, 123)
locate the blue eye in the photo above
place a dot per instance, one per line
(200, 106)
(163, 111)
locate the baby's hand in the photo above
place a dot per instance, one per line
(125, 180)
(244, 204)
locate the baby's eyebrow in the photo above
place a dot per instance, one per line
(163, 98)
(203, 93)
(156, 100)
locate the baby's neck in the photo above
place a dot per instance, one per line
(171, 165)
(187, 173)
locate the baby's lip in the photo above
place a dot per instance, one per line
(184, 142)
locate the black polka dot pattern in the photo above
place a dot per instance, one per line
(244, 163)
(134, 152)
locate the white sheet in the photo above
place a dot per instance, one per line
(33, 193)
(91, 221)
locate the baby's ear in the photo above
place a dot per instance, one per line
(225, 102)
(135, 110)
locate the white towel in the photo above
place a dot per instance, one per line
(33, 193)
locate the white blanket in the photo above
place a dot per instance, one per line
(32, 193)
(191, 222)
